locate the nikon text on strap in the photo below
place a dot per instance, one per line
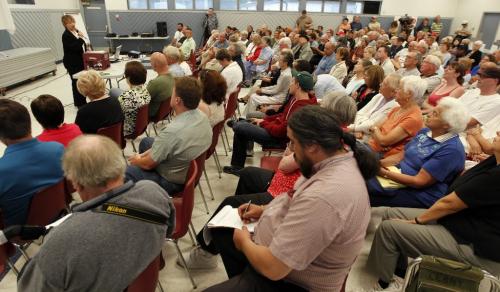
(129, 212)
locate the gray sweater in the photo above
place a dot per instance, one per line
(93, 251)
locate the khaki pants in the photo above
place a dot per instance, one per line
(395, 241)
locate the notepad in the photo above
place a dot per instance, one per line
(389, 183)
(228, 217)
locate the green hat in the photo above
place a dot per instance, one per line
(305, 79)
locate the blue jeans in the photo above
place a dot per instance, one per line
(245, 132)
(135, 173)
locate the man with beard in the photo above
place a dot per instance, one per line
(305, 239)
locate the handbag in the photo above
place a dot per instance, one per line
(437, 274)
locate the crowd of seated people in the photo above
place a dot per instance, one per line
(399, 125)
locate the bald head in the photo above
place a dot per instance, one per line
(487, 65)
(329, 49)
(159, 62)
(93, 163)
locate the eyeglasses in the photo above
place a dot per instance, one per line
(483, 76)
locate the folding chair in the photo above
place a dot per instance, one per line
(148, 279)
(141, 124)
(163, 112)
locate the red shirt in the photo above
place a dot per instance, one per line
(64, 134)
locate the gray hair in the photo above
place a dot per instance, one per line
(434, 60)
(92, 161)
(285, 40)
(393, 80)
(172, 53)
(342, 105)
(238, 49)
(416, 85)
(454, 113)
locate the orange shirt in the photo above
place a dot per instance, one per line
(411, 122)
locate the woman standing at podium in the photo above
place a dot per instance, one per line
(73, 45)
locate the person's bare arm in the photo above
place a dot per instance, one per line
(394, 136)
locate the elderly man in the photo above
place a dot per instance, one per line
(382, 56)
(27, 165)
(189, 45)
(484, 102)
(303, 49)
(166, 158)
(326, 63)
(428, 72)
(221, 42)
(106, 232)
(283, 44)
(411, 62)
(236, 53)
(161, 87)
(326, 83)
(231, 72)
(173, 55)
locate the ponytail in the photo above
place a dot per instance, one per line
(368, 164)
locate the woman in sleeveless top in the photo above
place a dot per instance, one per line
(453, 77)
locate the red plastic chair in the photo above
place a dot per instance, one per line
(141, 124)
(270, 162)
(216, 132)
(148, 279)
(163, 112)
(47, 205)
(200, 163)
(68, 187)
(114, 132)
(231, 106)
(192, 60)
(184, 204)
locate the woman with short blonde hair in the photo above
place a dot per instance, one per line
(102, 111)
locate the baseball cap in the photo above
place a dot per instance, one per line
(305, 79)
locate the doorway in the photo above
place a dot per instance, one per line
(489, 31)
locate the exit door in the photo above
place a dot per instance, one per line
(96, 23)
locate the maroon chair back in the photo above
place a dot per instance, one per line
(200, 163)
(147, 280)
(69, 189)
(232, 104)
(163, 111)
(114, 132)
(47, 205)
(192, 60)
(216, 131)
(141, 122)
(184, 203)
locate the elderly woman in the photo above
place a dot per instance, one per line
(430, 161)
(213, 96)
(454, 78)
(374, 75)
(134, 98)
(377, 109)
(463, 225)
(173, 56)
(369, 54)
(403, 122)
(102, 111)
(476, 54)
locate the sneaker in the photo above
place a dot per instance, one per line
(396, 285)
(235, 170)
(199, 259)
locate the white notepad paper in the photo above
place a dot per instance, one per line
(229, 217)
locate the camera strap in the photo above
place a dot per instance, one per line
(130, 212)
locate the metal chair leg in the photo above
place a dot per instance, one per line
(133, 145)
(154, 128)
(160, 286)
(12, 267)
(184, 263)
(203, 197)
(191, 236)
(224, 144)
(227, 140)
(217, 163)
(23, 252)
(192, 227)
(208, 183)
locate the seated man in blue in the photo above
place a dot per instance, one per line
(429, 164)
(27, 165)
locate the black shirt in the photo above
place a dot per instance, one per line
(479, 224)
(73, 52)
(99, 114)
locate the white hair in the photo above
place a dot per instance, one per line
(393, 80)
(434, 60)
(416, 85)
(342, 105)
(454, 113)
(172, 52)
(286, 41)
(478, 43)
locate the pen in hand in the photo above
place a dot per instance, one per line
(246, 209)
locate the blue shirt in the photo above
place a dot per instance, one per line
(265, 55)
(26, 168)
(326, 83)
(325, 65)
(443, 158)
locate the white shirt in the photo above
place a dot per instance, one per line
(326, 83)
(405, 72)
(388, 67)
(178, 35)
(483, 108)
(233, 75)
(354, 84)
(186, 68)
(372, 113)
